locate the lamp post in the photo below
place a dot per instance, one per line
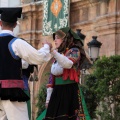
(94, 47)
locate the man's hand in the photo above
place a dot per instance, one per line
(45, 42)
(50, 45)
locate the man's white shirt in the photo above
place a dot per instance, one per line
(28, 53)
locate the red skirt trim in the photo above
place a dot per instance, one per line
(12, 83)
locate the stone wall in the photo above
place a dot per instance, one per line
(98, 18)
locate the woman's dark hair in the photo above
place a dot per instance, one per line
(70, 42)
(67, 43)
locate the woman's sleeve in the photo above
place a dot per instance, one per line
(67, 60)
(51, 81)
(62, 60)
(49, 86)
(73, 54)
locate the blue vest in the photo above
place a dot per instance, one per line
(11, 83)
(10, 65)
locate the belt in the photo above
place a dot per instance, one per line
(60, 81)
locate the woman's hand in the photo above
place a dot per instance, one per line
(46, 105)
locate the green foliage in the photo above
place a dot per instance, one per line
(104, 84)
(106, 114)
(107, 73)
(41, 99)
(90, 97)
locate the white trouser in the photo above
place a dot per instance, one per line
(13, 110)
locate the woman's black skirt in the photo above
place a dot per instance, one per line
(64, 103)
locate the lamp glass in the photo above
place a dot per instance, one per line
(94, 52)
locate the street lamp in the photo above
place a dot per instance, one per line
(82, 36)
(94, 47)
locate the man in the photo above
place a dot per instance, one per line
(13, 99)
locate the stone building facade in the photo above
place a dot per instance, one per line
(95, 17)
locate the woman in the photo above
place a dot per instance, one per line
(63, 99)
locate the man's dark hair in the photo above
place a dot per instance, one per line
(7, 24)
